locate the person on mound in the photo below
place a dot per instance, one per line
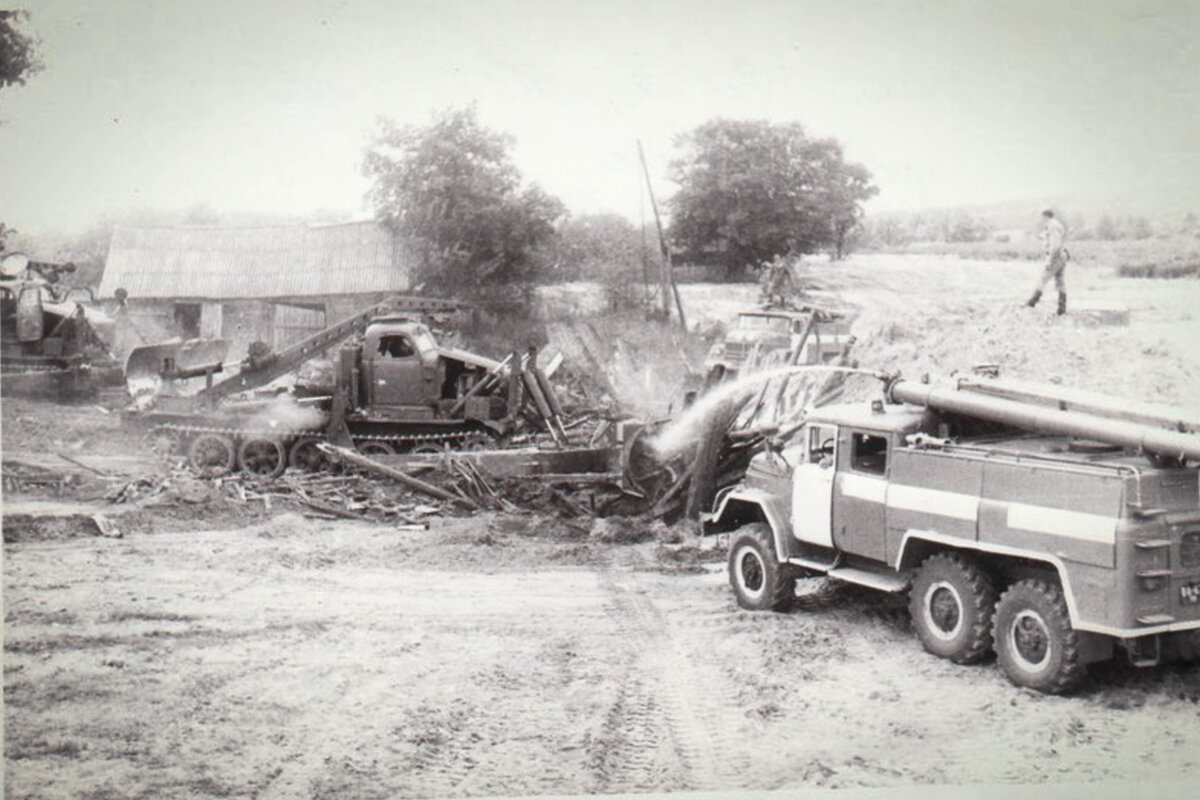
(1053, 238)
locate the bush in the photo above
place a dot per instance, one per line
(1182, 269)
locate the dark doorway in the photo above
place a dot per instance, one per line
(187, 320)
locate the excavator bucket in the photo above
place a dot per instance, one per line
(149, 366)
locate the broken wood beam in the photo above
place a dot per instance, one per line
(370, 465)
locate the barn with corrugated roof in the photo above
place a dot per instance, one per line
(273, 283)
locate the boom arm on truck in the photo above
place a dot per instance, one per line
(253, 373)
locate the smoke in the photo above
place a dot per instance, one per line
(284, 413)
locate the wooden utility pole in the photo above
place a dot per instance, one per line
(668, 279)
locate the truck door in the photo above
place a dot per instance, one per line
(812, 486)
(860, 499)
(30, 323)
(397, 372)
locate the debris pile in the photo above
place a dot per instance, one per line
(366, 488)
(30, 478)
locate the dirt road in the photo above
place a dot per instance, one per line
(297, 659)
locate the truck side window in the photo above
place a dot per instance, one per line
(821, 439)
(868, 453)
(396, 347)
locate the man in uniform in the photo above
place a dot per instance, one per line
(1053, 235)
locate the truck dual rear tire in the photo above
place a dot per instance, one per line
(759, 581)
(1035, 643)
(952, 603)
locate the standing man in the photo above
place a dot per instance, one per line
(1053, 235)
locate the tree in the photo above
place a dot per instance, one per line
(451, 189)
(753, 190)
(1106, 229)
(18, 50)
(606, 248)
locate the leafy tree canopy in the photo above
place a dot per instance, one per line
(18, 51)
(451, 188)
(590, 246)
(751, 190)
(603, 247)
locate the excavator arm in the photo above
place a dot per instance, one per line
(154, 362)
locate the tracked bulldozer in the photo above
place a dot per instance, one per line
(53, 345)
(396, 390)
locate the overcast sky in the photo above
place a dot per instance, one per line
(266, 105)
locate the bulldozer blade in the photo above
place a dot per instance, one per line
(148, 366)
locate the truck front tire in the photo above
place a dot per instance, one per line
(952, 603)
(1035, 643)
(759, 581)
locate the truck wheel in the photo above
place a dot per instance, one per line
(1182, 646)
(1035, 643)
(759, 581)
(262, 458)
(952, 603)
(211, 454)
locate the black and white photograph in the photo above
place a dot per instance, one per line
(529, 399)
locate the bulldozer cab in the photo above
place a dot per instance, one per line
(400, 365)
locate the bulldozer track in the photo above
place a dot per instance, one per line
(667, 718)
(283, 435)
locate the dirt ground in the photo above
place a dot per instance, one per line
(238, 652)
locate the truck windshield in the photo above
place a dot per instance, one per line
(759, 322)
(425, 343)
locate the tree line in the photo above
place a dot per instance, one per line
(748, 191)
(899, 229)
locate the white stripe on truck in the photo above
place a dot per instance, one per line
(1080, 525)
(873, 490)
(1060, 522)
(933, 501)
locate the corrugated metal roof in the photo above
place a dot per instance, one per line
(254, 262)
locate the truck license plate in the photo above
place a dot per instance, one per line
(1189, 593)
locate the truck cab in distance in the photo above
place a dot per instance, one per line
(1048, 550)
(771, 336)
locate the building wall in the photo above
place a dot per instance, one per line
(279, 322)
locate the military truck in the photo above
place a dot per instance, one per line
(775, 336)
(1048, 526)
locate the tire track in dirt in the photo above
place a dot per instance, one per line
(671, 724)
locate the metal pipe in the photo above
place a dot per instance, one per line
(1180, 419)
(1049, 421)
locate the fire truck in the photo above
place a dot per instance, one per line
(1051, 527)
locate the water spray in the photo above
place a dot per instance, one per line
(684, 430)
